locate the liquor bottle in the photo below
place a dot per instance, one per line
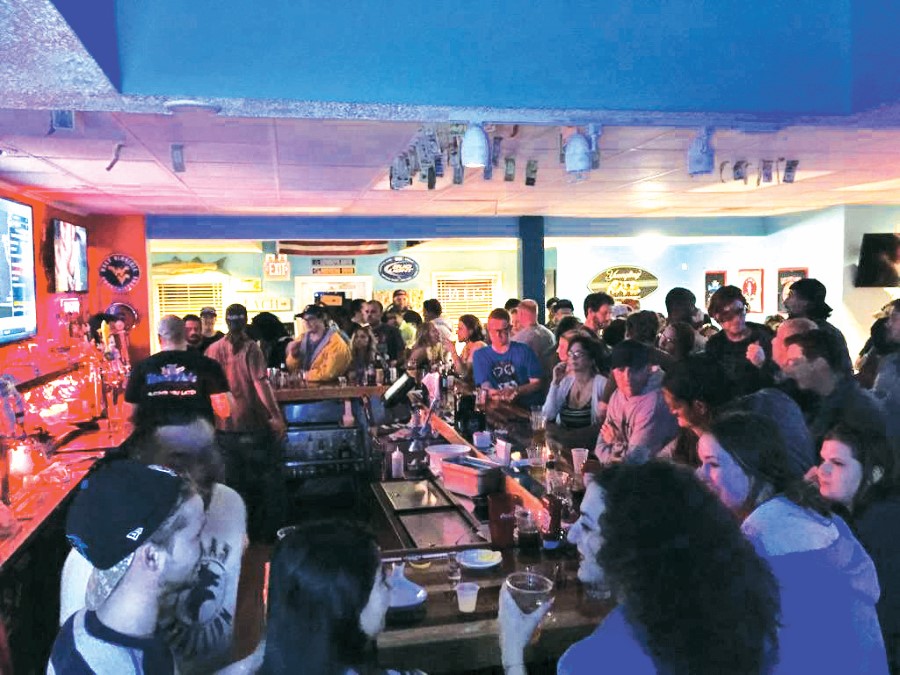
(552, 536)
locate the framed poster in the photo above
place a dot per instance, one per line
(786, 277)
(751, 284)
(713, 281)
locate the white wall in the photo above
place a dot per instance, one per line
(812, 240)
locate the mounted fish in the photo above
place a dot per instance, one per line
(195, 266)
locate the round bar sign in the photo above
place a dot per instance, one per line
(398, 269)
(624, 282)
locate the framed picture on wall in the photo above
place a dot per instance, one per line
(712, 282)
(786, 277)
(751, 284)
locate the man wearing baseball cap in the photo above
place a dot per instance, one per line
(208, 328)
(139, 526)
(806, 300)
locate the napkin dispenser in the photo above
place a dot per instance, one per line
(471, 476)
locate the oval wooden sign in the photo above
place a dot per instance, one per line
(624, 282)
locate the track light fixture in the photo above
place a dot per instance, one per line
(701, 157)
(578, 154)
(476, 152)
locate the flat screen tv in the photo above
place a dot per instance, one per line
(70, 269)
(18, 310)
(879, 261)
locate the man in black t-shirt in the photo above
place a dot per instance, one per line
(176, 385)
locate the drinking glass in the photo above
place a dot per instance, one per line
(454, 570)
(538, 421)
(529, 589)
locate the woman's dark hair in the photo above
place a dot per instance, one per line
(756, 444)
(699, 378)
(371, 349)
(614, 333)
(590, 345)
(642, 326)
(880, 468)
(473, 325)
(321, 578)
(684, 339)
(566, 324)
(686, 575)
(412, 317)
(268, 326)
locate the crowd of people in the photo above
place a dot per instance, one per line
(742, 504)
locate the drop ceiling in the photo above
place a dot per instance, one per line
(289, 157)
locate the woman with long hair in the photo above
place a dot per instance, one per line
(694, 389)
(693, 596)
(828, 582)
(470, 332)
(428, 349)
(576, 387)
(363, 351)
(860, 474)
(272, 336)
(328, 597)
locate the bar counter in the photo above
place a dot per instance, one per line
(325, 391)
(32, 557)
(438, 638)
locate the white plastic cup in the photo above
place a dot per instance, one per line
(579, 457)
(467, 596)
(482, 439)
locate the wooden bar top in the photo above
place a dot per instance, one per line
(319, 391)
(438, 638)
(34, 504)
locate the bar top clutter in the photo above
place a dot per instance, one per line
(34, 504)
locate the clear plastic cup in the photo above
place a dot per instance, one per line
(579, 457)
(467, 596)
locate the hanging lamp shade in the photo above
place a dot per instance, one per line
(475, 148)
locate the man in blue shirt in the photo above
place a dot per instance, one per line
(508, 370)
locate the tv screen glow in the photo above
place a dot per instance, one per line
(18, 310)
(879, 261)
(70, 270)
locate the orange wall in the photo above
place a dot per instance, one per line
(106, 234)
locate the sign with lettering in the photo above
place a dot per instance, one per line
(332, 271)
(120, 272)
(333, 262)
(624, 282)
(268, 303)
(398, 269)
(276, 266)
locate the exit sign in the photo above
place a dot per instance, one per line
(276, 266)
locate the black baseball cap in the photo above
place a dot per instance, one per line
(118, 508)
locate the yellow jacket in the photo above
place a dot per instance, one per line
(330, 359)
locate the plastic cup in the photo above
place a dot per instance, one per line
(467, 596)
(529, 589)
(579, 457)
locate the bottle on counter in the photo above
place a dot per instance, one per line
(370, 375)
(551, 538)
(397, 463)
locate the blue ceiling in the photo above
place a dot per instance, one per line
(776, 59)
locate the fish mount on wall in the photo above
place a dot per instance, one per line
(195, 266)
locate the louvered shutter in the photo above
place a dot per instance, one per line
(466, 293)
